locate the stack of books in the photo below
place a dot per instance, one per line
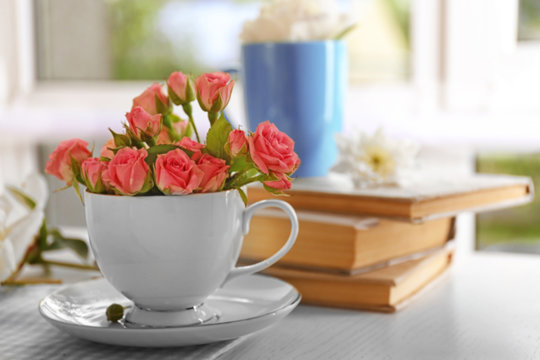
(373, 248)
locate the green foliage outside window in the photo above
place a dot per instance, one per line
(529, 20)
(520, 224)
(139, 51)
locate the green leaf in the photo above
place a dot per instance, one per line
(242, 195)
(77, 171)
(167, 121)
(75, 186)
(148, 183)
(175, 118)
(43, 234)
(120, 140)
(272, 190)
(147, 139)
(172, 95)
(22, 197)
(156, 150)
(188, 131)
(77, 245)
(244, 178)
(217, 137)
(240, 163)
(161, 107)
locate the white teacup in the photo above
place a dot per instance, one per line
(169, 253)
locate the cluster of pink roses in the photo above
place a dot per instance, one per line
(156, 154)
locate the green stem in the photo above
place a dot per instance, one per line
(189, 113)
(69, 265)
(213, 116)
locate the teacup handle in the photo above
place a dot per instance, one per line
(248, 213)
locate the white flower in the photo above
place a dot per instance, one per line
(296, 20)
(19, 224)
(374, 160)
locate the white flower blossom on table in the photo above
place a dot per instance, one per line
(296, 20)
(375, 159)
(19, 223)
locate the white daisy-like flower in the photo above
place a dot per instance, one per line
(19, 224)
(376, 159)
(296, 20)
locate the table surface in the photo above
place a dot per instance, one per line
(485, 307)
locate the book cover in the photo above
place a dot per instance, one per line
(384, 290)
(343, 243)
(420, 200)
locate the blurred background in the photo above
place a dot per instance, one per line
(460, 77)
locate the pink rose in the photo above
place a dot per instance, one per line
(142, 122)
(69, 153)
(272, 150)
(92, 170)
(106, 151)
(190, 144)
(215, 173)
(283, 182)
(180, 88)
(167, 136)
(214, 91)
(150, 98)
(237, 143)
(176, 173)
(128, 173)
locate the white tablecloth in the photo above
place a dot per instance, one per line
(24, 334)
(486, 307)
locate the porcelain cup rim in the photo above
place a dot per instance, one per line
(160, 196)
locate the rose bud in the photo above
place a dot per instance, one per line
(153, 100)
(236, 143)
(91, 171)
(128, 173)
(214, 91)
(180, 88)
(106, 150)
(272, 150)
(115, 312)
(282, 183)
(141, 122)
(215, 173)
(176, 173)
(68, 154)
(169, 136)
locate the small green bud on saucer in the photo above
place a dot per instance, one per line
(115, 312)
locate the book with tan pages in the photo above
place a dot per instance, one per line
(418, 201)
(385, 290)
(343, 243)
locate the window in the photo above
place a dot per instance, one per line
(438, 71)
(140, 39)
(529, 20)
(514, 229)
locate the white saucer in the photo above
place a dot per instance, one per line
(246, 304)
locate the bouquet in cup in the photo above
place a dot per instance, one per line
(161, 152)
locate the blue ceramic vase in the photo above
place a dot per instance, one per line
(299, 87)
